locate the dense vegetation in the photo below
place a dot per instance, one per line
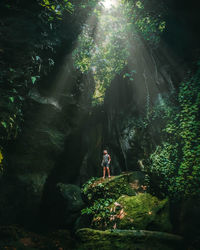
(107, 57)
(33, 34)
(175, 162)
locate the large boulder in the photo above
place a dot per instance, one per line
(126, 239)
(71, 196)
(124, 184)
(121, 202)
(143, 211)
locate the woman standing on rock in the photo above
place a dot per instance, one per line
(106, 163)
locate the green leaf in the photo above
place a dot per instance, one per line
(4, 124)
(11, 119)
(11, 98)
(21, 98)
(33, 79)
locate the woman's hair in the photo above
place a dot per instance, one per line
(105, 151)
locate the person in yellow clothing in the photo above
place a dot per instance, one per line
(106, 163)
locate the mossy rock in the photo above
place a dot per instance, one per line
(143, 211)
(114, 187)
(126, 239)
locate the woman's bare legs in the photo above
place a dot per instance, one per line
(104, 172)
(108, 170)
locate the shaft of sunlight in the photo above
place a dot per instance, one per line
(108, 4)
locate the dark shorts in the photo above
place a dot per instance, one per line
(106, 164)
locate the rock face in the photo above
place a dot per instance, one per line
(30, 161)
(127, 239)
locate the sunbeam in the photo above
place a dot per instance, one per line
(108, 4)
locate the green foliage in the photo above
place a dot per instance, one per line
(96, 189)
(101, 212)
(117, 205)
(177, 161)
(104, 47)
(31, 35)
(57, 6)
(189, 131)
(164, 167)
(130, 75)
(27, 57)
(33, 79)
(87, 185)
(19, 74)
(101, 194)
(146, 19)
(100, 206)
(98, 196)
(83, 53)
